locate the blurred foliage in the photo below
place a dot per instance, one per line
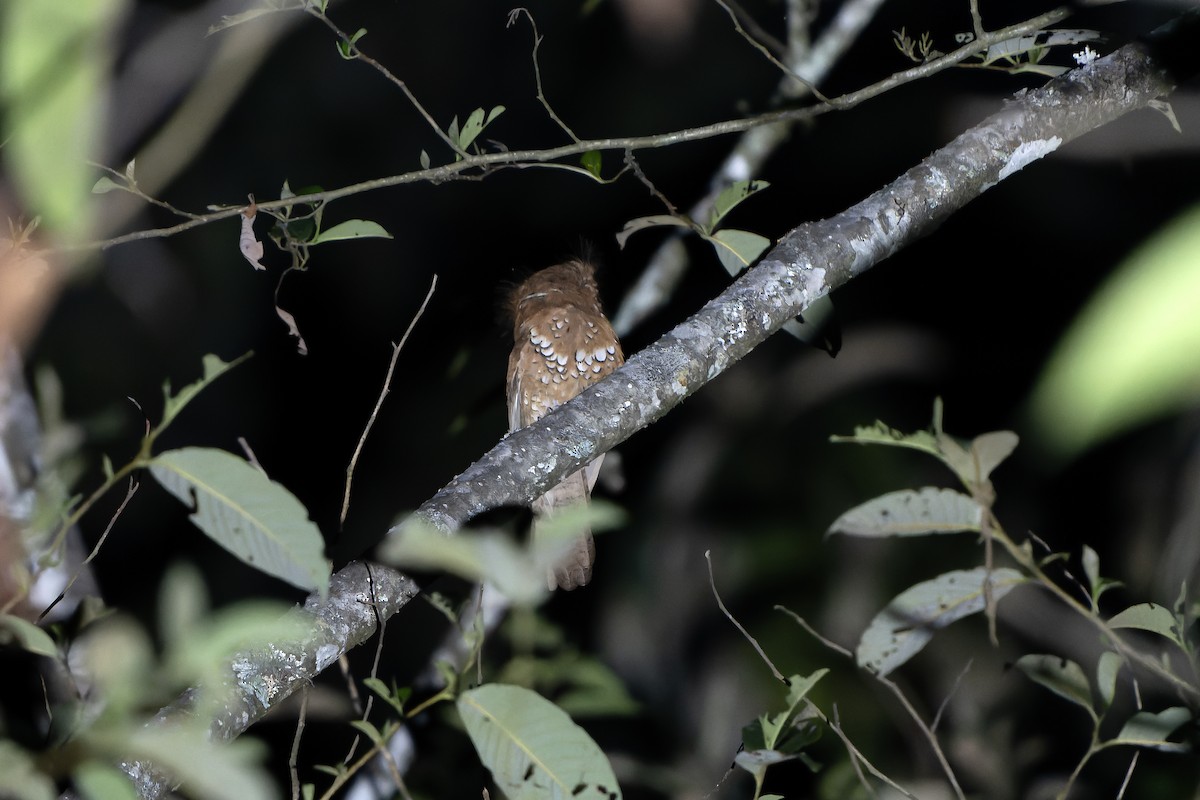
(658, 677)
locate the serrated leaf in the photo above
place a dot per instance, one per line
(1148, 617)
(247, 513)
(879, 433)
(532, 748)
(1060, 675)
(730, 197)
(1150, 730)
(902, 629)
(26, 635)
(214, 368)
(920, 512)
(351, 229)
(738, 249)
(653, 221)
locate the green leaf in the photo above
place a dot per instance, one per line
(395, 697)
(27, 636)
(592, 161)
(351, 229)
(1107, 669)
(1129, 357)
(531, 746)
(210, 770)
(424, 159)
(1060, 675)
(738, 249)
(518, 572)
(182, 604)
(1149, 617)
(367, 729)
(105, 185)
(921, 512)
(1150, 730)
(229, 20)
(346, 48)
(902, 629)
(214, 368)
(96, 780)
(247, 513)
(988, 450)
(880, 433)
(730, 197)
(22, 778)
(1097, 584)
(653, 221)
(55, 70)
(474, 126)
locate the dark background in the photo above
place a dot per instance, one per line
(745, 469)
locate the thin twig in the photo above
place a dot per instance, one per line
(856, 760)
(930, 736)
(632, 162)
(355, 52)
(753, 642)
(928, 733)
(295, 754)
(962, 673)
(976, 20)
(125, 184)
(529, 158)
(1128, 774)
(760, 47)
(129, 493)
(832, 645)
(537, 70)
(387, 382)
(250, 457)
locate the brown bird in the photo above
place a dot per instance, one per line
(562, 343)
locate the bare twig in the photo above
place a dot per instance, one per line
(129, 493)
(928, 733)
(294, 756)
(537, 70)
(803, 623)
(753, 642)
(930, 736)
(530, 158)
(387, 382)
(962, 673)
(356, 53)
(760, 47)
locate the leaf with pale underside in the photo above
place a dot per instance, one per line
(532, 748)
(920, 512)
(247, 513)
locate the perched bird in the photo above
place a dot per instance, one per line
(562, 343)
